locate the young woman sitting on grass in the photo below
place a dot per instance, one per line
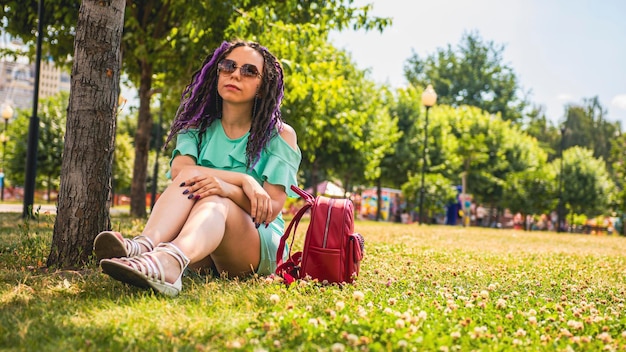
(234, 162)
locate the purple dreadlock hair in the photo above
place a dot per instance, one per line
(201, 104)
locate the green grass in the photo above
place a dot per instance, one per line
(429, 288)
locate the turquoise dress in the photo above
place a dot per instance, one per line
(278, 165)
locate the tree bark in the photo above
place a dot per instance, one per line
(86, 170)
(142, 144)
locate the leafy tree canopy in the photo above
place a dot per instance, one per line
(472, 74)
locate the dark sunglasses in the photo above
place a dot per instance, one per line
(246, 70)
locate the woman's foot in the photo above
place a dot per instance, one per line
(110, 244)
(161, 270)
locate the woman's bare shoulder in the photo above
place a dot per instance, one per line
(289, 135)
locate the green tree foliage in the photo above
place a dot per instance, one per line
(472, 74)
(439, 191)
(404, 107)
(618, 167)
(548, 136)
(586, 126)
(534, 191)
(587, 187)
(123, 161)
(52, 117)
(342, 124)
(158, 33)
(491, 149)
(19, 18)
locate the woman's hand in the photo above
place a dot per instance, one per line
(204, 186)
(260, 201)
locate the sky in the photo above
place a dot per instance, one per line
(562, 51)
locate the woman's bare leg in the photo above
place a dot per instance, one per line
(217, 227)
(170, 211)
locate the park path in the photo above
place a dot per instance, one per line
(45, 208)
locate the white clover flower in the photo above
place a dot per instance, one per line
(361, 312)
(352, 339)
(403, 344)
(358, 295)
(274, 298)
(422, 315)
(484, 294)
(234, 344)
(340, 305)
(455, 335)
(532, 320)
(337, 347)
(501, 303)
(577, 325)
(392, 301)
(604, 337)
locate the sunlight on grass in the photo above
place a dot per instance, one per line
(421, 288)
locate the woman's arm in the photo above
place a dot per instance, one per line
(278, 193)
(211, 181)
(263, 203)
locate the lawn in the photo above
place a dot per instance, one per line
(432, 288)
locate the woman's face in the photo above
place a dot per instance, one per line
(239, 75)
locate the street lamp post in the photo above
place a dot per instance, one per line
(559, 211)
(33, 126)
(7, 113)
(429, 97)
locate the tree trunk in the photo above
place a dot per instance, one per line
(82, 209)
(142, 144)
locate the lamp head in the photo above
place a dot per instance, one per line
(429, 96)
(7, 112)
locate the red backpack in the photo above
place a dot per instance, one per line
(332, 251)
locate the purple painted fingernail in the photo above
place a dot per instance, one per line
(190, 196)
(267, 224)
(182, 184)
(186, 191)
(253, 220)
(257, 225)
(197, 196)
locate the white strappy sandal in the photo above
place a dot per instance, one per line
(146, 270)
(108, 245)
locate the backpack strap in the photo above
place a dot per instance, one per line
(289, 269)
(309, 198)
(293, 226)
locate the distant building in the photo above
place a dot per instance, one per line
(17, 76)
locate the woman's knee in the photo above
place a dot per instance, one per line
(186, 173)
